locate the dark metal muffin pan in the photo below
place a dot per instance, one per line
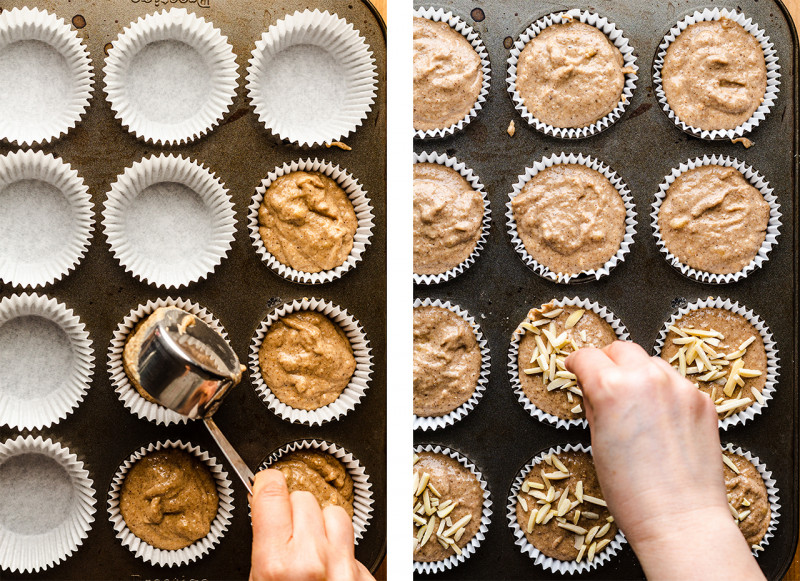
(642, 147)
(240, 293)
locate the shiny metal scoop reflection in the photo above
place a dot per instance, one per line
(188, 367)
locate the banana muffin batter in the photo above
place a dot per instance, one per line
(570, 75)
(448, 216)
(169, 499)
(320, 474)
(714, 75)
(306, 360)
(447, 361)
(570, 218)
(712, 219)
(307, 221)
(447, 75)
(747, 497)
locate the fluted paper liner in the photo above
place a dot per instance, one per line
(425, 423)
(757, 181)
(179, 27)
(474, 181)
(359, 382)
(31, 553)
(513, 359)
(126, 392)
(772, 495)
(160, 557)
(61, 238)
(616, 181)
(464, 29)
(284, 98)
(486, 514)
(361, 205)
(51, 119)
(549, 563)
(615, 36)
(362, 488)
(38, 411)
(770, 58)
(770, 347)
(150, 267)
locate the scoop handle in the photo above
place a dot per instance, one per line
(242, 471)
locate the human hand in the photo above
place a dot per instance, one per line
(657, 452)
(294, 539)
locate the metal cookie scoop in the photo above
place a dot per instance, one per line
(188, 367)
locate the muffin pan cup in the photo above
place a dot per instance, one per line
(615, 36)
(773, 361)
(356, 388)
(35, 552)
(619, 185)
(486, 515)
(174, 27)
(539, 558)
(198, 549)
(770, 58)
(361, 205)
(362, 489)
(475, 182)
(125, 390)
(74, 376)
(44, 122)
(758, 182)
(425, 423)
(460, 26)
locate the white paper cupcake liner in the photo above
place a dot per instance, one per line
(52, 105)
(362, 488)
(197, 244)
(772, 495)
(160, 557)
(757, 181)
(312, 78)
(770, 57)
(486, 515)
(191, 100)
(39, 257)
(773, 361)
(616, 181)
(126, 392)
(457, 24)
(361, 205)
(615, 36)
(549, 563)
(359, 382)
(38, 551)
(33, 358)
(513, 359)
(425, 423)
(475, 182)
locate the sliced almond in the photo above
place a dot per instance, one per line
(573, 319)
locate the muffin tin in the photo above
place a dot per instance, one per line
(241, 292)
(643, 291)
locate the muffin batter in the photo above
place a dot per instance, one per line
(447, 75)
(714, 75)
(447, 361)
(747, 496)
(169, 499)
(570, 218)
(320, 474)
(570, 75)
(713, 220)
(307, 221)
(448, 215)
(306, 360)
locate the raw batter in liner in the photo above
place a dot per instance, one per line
(747, 495)
(320, 474)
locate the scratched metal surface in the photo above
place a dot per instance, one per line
(240, 293)
(499, 435)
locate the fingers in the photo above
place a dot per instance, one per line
(341, 552)
(588, 363)
(272, 512)
(307, 518)
(626, 353)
